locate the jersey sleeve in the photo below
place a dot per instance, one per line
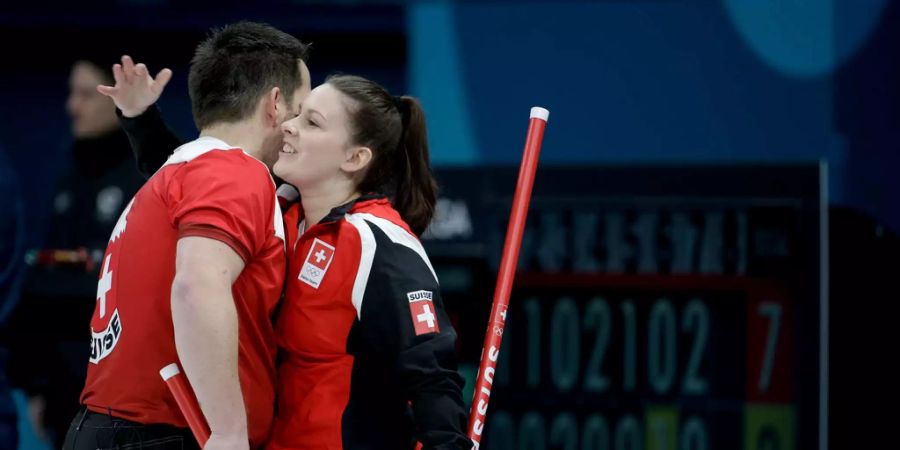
(223, 195)
(152, 141)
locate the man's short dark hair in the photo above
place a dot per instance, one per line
(236, 65)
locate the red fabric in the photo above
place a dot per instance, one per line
(211, 232)
(313, 327)
(424, 316)
(221, 194)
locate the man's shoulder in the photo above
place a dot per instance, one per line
(225, 167)
(234, 159)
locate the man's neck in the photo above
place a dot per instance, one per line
(240, 134)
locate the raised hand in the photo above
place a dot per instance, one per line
(135, 89)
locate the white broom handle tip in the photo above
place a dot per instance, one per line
(540, 113)
(169, 371)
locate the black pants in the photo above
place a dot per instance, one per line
(93, 431)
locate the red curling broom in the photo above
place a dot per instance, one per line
(494, 335)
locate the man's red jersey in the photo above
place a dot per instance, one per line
(206, 188)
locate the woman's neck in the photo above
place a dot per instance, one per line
(319, 202)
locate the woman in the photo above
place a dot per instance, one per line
(367, 348)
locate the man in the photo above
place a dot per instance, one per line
(195, 265)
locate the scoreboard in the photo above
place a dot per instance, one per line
(679, 308)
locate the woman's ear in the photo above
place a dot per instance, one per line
(358, 158)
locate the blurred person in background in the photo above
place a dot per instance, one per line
(45, 333)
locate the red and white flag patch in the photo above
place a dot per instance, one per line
(424, 316)
(316, 264)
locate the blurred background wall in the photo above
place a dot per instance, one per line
(627, 80)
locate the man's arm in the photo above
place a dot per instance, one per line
(206, 335)
(135, 94)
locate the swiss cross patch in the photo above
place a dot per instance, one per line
(316, 264)
(424, 316)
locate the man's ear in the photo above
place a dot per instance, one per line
(358, 158)
(272, 107)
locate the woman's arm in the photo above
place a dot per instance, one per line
(404, 324)
(135, 94)
(152, 141)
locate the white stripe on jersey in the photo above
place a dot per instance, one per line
(287, 192)
(367, 255)
(395, 233)
(400, 236)
(278, 221)
(195, 148)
